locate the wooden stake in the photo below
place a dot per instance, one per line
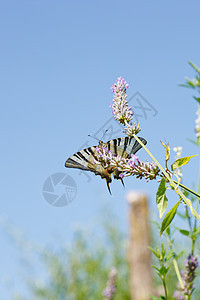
(139, 254)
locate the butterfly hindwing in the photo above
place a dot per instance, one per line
(84, 160)
(124, 147)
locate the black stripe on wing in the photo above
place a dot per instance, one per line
(79, 160)
(126, 140)
(128, 146)
(82, 159)
(137, 146)
(71, 163)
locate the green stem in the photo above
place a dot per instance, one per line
(178, 273)
(197, 208)
(186, 200)
(170, 242)
(187, 189)
(197, 205)
(164, 284)
(188, 218)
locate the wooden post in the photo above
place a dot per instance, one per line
(139, 254)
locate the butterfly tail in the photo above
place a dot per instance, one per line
(108, 182)
(116, 175)
(121, 181)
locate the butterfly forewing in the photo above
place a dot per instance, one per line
(125, 146)
(84, 160)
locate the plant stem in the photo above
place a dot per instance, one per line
(197, 208)
(178, 273)
(197, 205)
(187, 189)
(164, 284)
(188, 218)
(170, 242)
(186, 200)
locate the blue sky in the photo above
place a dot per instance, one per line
(58, 60)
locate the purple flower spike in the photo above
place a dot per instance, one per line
(110, 289)
(189, 275)
(134, 157)
(121, 110)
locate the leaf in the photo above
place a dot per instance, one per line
(161, 199)
(164, 270)
(196, 231)
(180, 254)
(168, 231)
(189, 204)
(184, 232)
(194, 66)
(157, 269)
(167, 150)
(181, 215)
(190, 83)
(198, 99)
(155, 223)
(169, 217)
(169, 255)
(154, 252)
(194, 142)
(181, 161)
(156, 298)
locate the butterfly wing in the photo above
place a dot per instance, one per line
(124, 147)
(84, 160)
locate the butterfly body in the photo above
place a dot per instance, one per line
(84, 159)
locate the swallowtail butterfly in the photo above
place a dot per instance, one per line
(124, 147)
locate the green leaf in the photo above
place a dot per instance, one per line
(164, 270)
(169, 217)
(167, 155)
(181, 215)
(167, 231)
(181, 161)
(154, 252)
(194, 66)
(194, 142)
(196, 231)
(180, 254)
(184, 232)
(155, 223)
(198, 99)
(156, 268)
(190, 83)
(161, 198)
(169, 255)
(156, 298)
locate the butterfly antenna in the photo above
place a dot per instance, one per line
(104, 134)
(94, 137)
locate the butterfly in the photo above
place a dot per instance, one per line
(84, 159)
